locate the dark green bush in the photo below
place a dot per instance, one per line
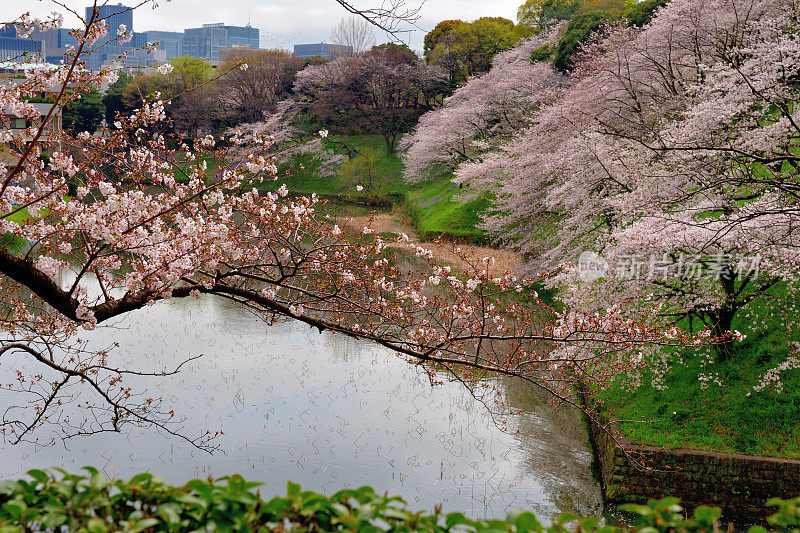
(584, 24)
(642, 13)
(575, 34)
(543, 53)
(59, 501)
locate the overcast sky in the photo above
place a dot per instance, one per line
(283, 23)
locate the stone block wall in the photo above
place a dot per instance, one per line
(739, 484)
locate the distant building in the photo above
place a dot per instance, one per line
(326, 50)
(243, 37)
(206, 42)
(19, 126)
(13, 47)
(169, 41)
(56, 42)
(115, 16)
(14, 73)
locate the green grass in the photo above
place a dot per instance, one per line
(301, 175)
(182, 170)
(728, 418)
(20, 217)
(9, 240)
(435, 210)
(433, 205)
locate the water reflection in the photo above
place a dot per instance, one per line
(328, 412)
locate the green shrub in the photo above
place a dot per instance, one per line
(59, 501)
(642, 13)
(585, 23)
(543, 53)
(577, 33)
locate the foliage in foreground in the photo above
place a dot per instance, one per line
(93, 503)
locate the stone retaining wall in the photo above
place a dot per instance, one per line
(739, 484)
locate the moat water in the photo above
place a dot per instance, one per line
(327, 412)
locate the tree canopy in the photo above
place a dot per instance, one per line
(85, 114)
(673, 140)
(464, 49)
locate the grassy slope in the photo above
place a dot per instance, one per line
(435, 210)
(731, 417)
(432, 205)
(10, 241)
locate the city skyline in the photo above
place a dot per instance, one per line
(282, 23)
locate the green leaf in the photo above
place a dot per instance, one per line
(635, 508)
(141, 525)
(292, 490)
(205, 490)
(526, 522)
(170, 512)
(14, 508)
(707, 515)
(140, 479)
(96, 525)
(39, 475)
(457, 519)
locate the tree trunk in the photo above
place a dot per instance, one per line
(722, 325)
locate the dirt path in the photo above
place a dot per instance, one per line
(398, 221)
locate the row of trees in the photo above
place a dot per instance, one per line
(200, 100)
(674, 144)
(380, 91)
(466, 49)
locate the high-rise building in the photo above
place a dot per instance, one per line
(169, 41)
(207, 41)
(243, 37)
(115, 16)
(56, 42)
(204, 42)
(13, 47)
(326, 50)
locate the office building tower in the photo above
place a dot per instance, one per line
(115, 16)
(14, 47)
(171, 42)
(326, 50)
(207, 41)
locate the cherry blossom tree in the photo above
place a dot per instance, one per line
(672, 143)
(483, 114)
(379, 91)
(251, 95)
